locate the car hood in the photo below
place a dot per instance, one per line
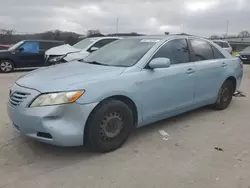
(67, 76)
(4, 51)
(62, 50)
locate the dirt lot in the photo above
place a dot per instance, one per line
(187, 159)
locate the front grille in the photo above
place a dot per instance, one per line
(17, 97)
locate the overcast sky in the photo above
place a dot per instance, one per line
(199, 17)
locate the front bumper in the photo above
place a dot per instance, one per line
(64, 123)
(47, 60)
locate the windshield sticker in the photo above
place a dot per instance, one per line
(150, 40)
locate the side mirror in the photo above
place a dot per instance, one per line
(159, 63)
(93, 49)
(21, 49)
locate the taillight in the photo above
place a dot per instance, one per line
(241, 64)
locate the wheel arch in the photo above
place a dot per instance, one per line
(233, 80)
(127, 100)
(8, 59)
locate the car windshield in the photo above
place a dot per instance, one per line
(84, 43)
(123, 53)
(247, 49)
(15, 46)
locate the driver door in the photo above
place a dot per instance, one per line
(165, 91)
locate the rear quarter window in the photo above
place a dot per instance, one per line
(217, 53)
(225, 45)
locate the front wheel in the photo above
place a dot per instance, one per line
(109, 126)
(225, 95)
(6, 66)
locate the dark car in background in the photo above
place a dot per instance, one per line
(244, 55)
(26, 53)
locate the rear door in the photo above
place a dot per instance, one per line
(209, 66)
(29, 54)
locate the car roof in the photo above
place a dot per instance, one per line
(165, 37)
(56, 41)
(219, 40)
(99, 38)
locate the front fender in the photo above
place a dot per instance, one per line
(100, 93)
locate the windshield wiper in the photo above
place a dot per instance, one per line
(94, 63)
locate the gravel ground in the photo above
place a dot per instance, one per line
(188, 158)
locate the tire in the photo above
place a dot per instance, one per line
(225, 95)
(6, 66)
(99, 136)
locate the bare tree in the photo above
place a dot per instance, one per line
(244, 34)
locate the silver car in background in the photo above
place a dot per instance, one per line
(225, 45)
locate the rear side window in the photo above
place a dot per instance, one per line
(48, 45)
(217, 53)
(103, 42)
(202, 50)
(219, 43)
(225, 45)
(175, 50)
(30, 47)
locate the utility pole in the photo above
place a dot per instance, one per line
(117, 25)
(227, 28)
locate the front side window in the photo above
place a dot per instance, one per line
(202, 50)
(30, 47)
(176, 50)
(123, 53)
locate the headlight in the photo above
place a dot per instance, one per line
(238, 55)
(55, 59)
(56, 98)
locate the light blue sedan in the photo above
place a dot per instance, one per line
(129, 83)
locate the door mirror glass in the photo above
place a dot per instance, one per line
(159, 63)
(93, 49)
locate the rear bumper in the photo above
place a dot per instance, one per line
(61, 125)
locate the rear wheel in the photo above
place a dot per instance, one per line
(6, 66)
(109, 126)
(225, 95)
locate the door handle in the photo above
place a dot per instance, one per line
(190, 71)
(223, 64)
